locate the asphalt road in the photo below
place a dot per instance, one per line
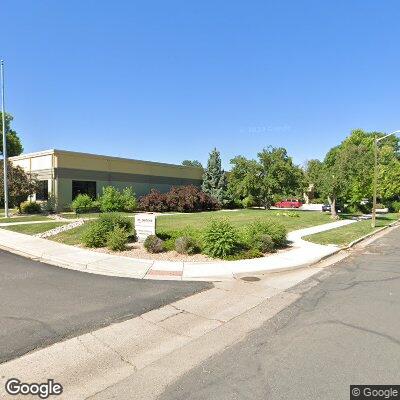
(42, 304)
(345, 330)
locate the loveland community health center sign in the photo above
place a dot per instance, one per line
(145, 225)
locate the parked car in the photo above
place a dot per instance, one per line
(289, 203)
(327, 208)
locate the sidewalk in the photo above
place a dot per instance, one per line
(301, 254)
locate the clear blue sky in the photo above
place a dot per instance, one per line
(169, 80)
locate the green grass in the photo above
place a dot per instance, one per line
(33, 229)
(197, 221)
(346, 234)
(72, 215)
(240, 218)
(71, 237)
(28, 218)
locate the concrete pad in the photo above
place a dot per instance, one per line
(160, 314)
(140, 342)
(121, 265)
(259, 289)
(191, 325)
(217, 304)
(206, 270)
(72, 363)
(168, 265)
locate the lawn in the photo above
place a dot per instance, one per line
(72, 215)
(346, 234)
(28, 218)
(33, 229)
(71, 237)
(239, 218)
(197, 221)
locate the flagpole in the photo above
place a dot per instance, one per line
(4, 141)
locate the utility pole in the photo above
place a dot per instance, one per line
(4, 141)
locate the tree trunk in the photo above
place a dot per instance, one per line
(333, 208)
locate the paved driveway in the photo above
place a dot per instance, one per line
(344, 331)
(41, 304)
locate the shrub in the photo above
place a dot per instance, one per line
(113, 200)
(154, 244)
(128, 200)
(110, 200)
(82, 203)
(117, 239)
(221, 239)
(30, 207)
(179, 198)
(264, 243)
(380, 206)
(248, 202)
(256, 229)
(153, 202)
(95, 235)
(395, 206)
(97, 232)
(186, 245)
(110, 220)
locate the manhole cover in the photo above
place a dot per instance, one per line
(250, 279)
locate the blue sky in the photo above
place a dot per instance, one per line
(169, 80)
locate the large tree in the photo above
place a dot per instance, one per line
(20, 185)
(14, 145)
(214, 178)
(272, 176)
(348, 168)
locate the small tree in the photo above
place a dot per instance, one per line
(214, 178)
(20, 185)
(14, 146)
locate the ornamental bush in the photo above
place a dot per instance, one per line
(254, 230)
(95, 235)
(179, 198)
(97, 232)
(153, 202)
(117, 239)
(113, 200)
(83, 203)
(30, 207)
(154, 244)
(264, 243)
(220, 239)
(186, 245)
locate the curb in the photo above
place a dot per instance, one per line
(368, 235)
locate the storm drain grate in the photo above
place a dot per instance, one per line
(250, 278)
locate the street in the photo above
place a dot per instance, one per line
(345, 330)
(43, 304)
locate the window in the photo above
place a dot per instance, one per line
(42, 192)
(83, 187)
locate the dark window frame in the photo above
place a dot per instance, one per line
(42, 192)
(84, 187)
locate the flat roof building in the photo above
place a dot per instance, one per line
(64, 174)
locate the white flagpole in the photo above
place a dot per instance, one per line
(4, 141)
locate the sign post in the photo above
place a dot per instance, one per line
(145, 225)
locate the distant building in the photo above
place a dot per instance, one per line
(65, 174)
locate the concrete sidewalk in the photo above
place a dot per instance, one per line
(301, 254)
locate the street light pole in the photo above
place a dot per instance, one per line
(375, 182)
(4, 140)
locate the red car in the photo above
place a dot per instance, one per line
(289, 203)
